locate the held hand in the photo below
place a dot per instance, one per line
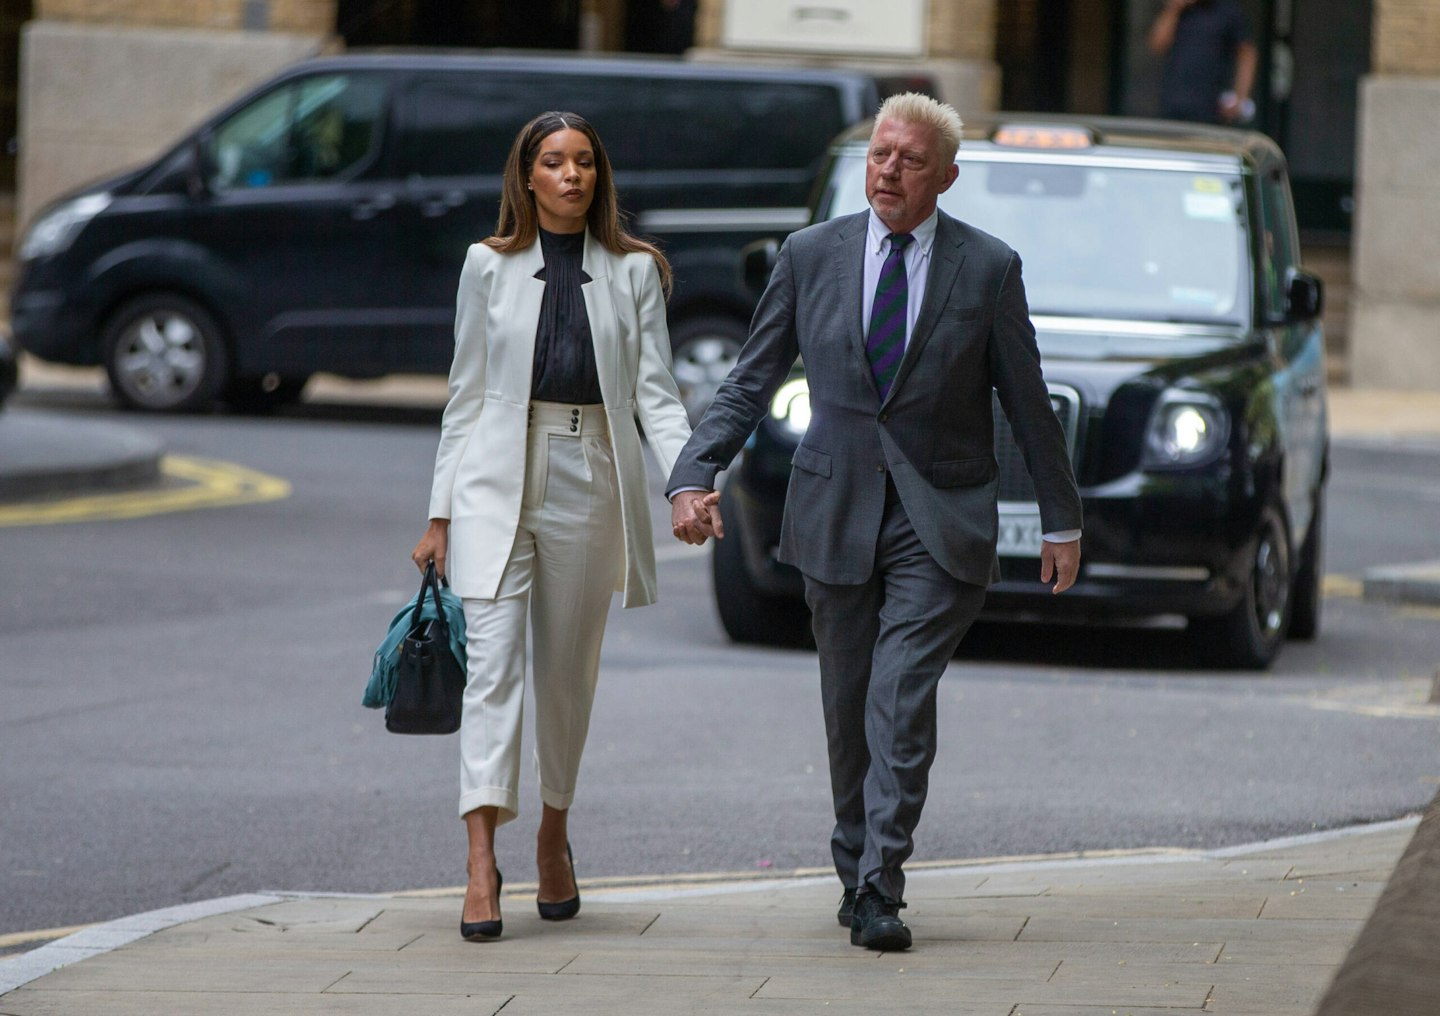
(1062, 560)
(433, 546)
(695, 516)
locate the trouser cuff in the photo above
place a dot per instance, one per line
(555, 799)
(507, 802)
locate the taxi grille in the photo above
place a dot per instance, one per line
(1015, 483)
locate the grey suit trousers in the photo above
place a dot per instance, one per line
(883, 645)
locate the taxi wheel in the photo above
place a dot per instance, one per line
(1250, 636)
(746, 614)
(1305, 598)
(164, 353)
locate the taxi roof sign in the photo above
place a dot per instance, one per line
(1044, 136)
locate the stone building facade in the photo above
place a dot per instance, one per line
(1395, 309)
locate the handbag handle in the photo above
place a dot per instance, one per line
(428, 581)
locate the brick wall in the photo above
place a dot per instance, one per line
(1407, 37)
(962, 29)
(303, 16)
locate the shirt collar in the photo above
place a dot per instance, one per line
(924, 233)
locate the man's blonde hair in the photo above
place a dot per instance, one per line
(913, 107)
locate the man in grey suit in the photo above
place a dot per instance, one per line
(906, 319)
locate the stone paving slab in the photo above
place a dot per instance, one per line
(45, 1002)
(1101, 929)
(1137, 936)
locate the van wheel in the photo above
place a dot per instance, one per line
(1250, 636)
(705, 350)
(163, 353)
(263, 394)
(746, 614)
(1309, 578)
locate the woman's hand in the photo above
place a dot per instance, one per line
(433, 546)
(695, 516)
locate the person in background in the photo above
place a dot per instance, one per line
(538, 503)
(1209, 61)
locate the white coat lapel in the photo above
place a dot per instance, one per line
(599, 307)
(524, 314)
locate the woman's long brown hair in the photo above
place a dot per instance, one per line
(519, 223)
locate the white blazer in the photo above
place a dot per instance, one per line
(480, 464)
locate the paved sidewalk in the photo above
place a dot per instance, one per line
(1253, 931)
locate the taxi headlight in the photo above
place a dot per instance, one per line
(1186, 429)
(791, 406)
(56, 229)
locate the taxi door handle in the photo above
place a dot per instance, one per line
(368, 208)
(436, 205)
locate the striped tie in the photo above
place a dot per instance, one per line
(886, 342)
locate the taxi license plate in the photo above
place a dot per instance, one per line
(1020, 533)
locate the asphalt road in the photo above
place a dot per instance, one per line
(182, 712)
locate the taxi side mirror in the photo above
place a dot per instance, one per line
(1304, 296)
(757, 261)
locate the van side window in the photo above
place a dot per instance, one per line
(1278, 245)
(461, 126)
(710, 124)
(317, 129)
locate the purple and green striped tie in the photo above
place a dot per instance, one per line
(885, 343)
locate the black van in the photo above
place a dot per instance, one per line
(320, 222)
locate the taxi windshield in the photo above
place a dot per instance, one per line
(1103, 240)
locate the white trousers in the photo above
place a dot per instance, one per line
(562, 569)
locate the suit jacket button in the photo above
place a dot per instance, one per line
(884, 417)
(880, 468)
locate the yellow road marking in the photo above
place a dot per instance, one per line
(1416, 711)
(207, 483)
(1342, 586)
(44, 935)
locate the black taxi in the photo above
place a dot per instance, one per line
(1182, 346)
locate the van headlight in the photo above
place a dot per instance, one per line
(56, 229)
(1186, 429)
(791, 406)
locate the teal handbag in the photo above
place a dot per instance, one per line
(421, 663)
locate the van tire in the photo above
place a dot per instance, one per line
(164, 354)
(704, 351)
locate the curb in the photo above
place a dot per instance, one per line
(111, 935)
(1403, 583)
(48, 454)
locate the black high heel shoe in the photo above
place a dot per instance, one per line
(565, 909)
(484, 931)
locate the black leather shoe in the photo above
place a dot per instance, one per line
(877, 924)
(484, 931)
(565, 909)
(847, 908)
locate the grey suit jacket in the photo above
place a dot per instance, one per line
(933, 433)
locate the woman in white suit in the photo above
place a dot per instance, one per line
(539, 501)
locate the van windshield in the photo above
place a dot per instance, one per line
(1100, 240)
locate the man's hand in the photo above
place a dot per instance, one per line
(1062, 560)
(695, 516)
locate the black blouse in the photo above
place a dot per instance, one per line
(564, 369)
